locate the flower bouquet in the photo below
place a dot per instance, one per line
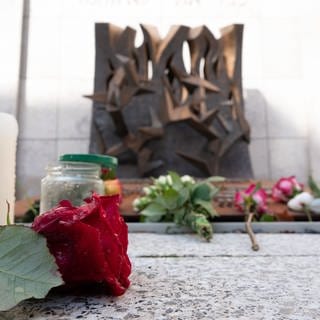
(182, 200)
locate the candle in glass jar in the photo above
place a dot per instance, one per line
(8, 147)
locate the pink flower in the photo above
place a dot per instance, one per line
(285, 189)
(253, 199)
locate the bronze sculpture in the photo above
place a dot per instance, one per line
(208, 99)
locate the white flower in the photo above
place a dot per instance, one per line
(162, 180)
(300, 201)
(140, 203)
(153, 188)
(136, 203)
(169, 180)
(187, 178)
(147, 190)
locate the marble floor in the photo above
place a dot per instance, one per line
(183, 277)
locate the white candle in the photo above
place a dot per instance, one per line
(8, 148)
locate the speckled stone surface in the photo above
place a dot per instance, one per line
(146, 245)
(181, 277)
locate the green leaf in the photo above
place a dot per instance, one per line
(214, 191)
(152, 219)
(170, 199)
(27, 269)
(200, 224)
(314, 187)
(201, 191)
(153, 212)
(207, 206)
(176, 180)
(183, 197)
(179, 216)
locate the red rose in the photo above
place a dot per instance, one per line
(253, 199)
(285, 189)
(88, 242)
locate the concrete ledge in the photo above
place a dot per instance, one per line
(224, 227)
(222, 245)
(182, 277)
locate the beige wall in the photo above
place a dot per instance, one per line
(10, 42)
(280, 66)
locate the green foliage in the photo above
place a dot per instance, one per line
(267, 218)
(27, 269)
(153, 212)
(181, 200)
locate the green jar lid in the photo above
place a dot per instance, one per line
(104, 161)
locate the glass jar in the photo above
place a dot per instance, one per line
(108, 166)
(73, 181)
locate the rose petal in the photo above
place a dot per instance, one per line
(239, 201)
(89, 242)
(250, 189)
(286, 186)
